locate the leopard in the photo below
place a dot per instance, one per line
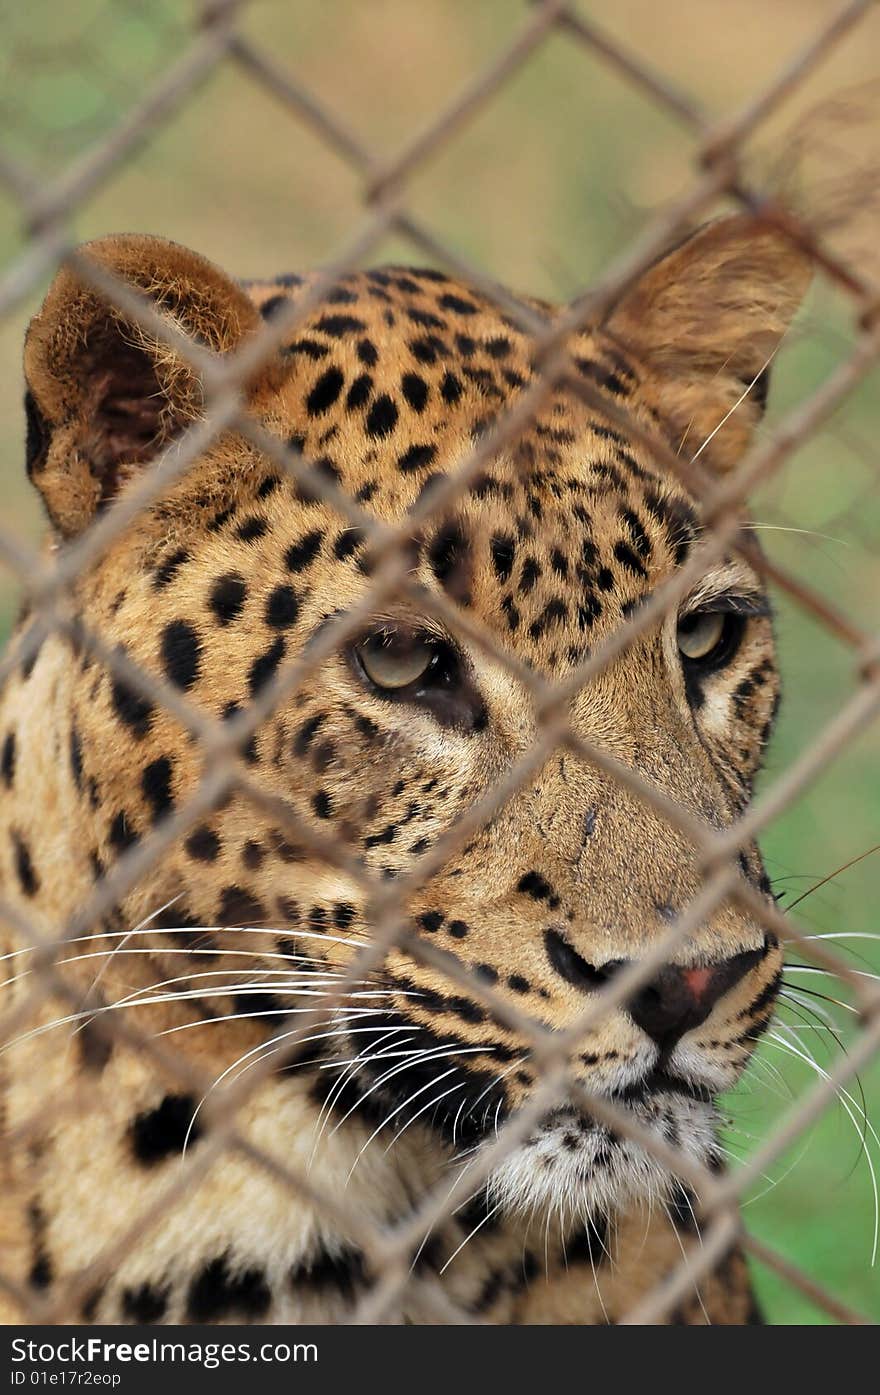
(179, 920)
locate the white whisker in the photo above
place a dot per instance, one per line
(429, 1085)
(349, 1073)
(457, 1251)
(286, 931)
(738, 403)
(684, 1255)
(807, 532)
(423, 1110)
(855, 1113)
(436, 1053)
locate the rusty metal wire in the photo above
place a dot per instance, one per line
(46, 207)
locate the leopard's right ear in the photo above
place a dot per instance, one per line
(103, 395)
(706, 320)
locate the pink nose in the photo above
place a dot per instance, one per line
(697, 980)
(679, 999)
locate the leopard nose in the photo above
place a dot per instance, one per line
(679, 999)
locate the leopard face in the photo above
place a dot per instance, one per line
(411, 723)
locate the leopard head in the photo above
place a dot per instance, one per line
(397, 742)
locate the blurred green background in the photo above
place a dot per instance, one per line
(541, 189)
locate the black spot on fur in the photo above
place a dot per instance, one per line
(499, 347)
(41, 1272)
(27, 667)
(156, 786)
(306, 734)
(240, 907)
(184, 928)
(221, 518)
(272, 307)
(217, 1291)
(302, 553)
(503, 553)
(325, 392)
(534, 885)
(253, 855)
(641, 541)
(227, 597)
(415, 391)
(168, 568)
(347, 543)
(95, 1044)
(383, 838)
(487, 973)
(147, 1303)
(76, 762)
(24, 867)
(559, 562)
(628, 559)
(554, 613)
(131, 708)
(159, 1132)
(282, 607)
(121, 833)
(416, 458)
(251, 529)
(7, 759)
(458, 304)
(359, 392)
(382, 417)
(603, 377)
(448, 558)
(427, 348)
(426, 318)
(451, 389)
(249, 747)
(181, 653)
(530, 572)
(337, 326)
(264, 666)
(341, 1273)
(203, 844)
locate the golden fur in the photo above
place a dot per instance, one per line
(213, 589)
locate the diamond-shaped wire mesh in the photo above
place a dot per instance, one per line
(65, 139)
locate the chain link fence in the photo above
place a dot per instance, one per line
(46, 202)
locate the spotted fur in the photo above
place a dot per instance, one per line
(384, 389)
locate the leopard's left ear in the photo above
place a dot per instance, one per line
(104, 396)
(706, 320)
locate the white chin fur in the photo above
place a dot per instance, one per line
(570, 1167)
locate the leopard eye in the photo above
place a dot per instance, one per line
(708, 637)
(394, 659)
(402, 664)
(699, 633)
